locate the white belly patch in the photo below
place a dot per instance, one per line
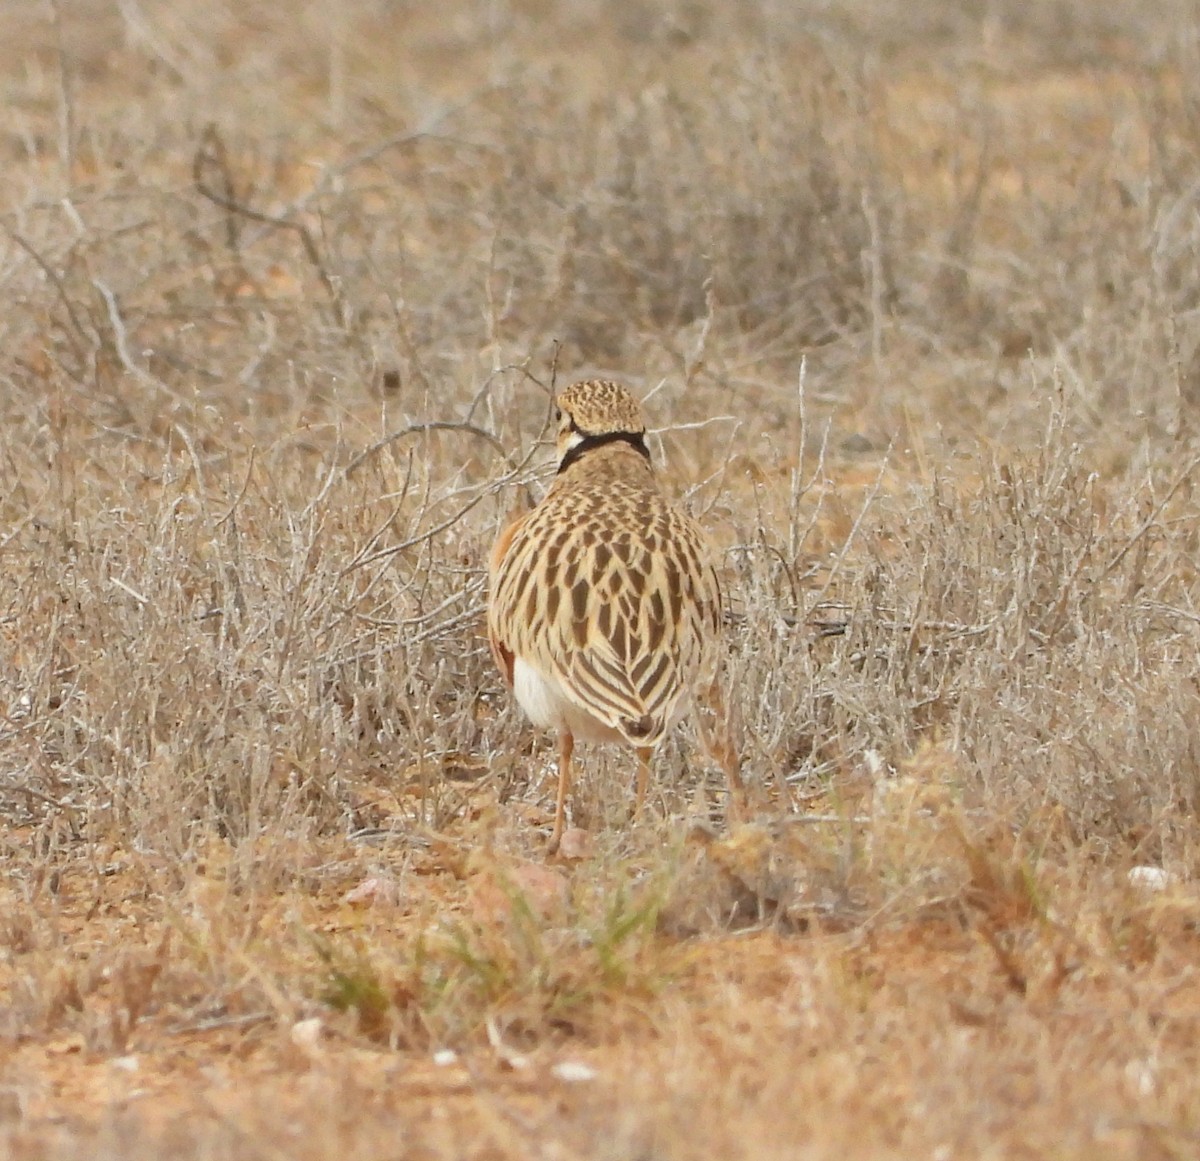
(546, 705)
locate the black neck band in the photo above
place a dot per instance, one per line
(635, 439)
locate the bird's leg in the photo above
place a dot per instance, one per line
(566, 747)
(721, 747)
(644, 754)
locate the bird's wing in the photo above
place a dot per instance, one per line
(623, 615)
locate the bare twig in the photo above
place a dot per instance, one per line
(121, 344)
(159, 47)
(211, 151)
(1181, 478)
(242, 492)
(139, 597)
(332, 176)
(423, 537)
(856, 527)
(79, 330)
(420, 428)
(66, 98)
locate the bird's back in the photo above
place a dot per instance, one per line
(610, 591)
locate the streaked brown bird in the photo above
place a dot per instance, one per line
(605, 607)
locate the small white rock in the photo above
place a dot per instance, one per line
(1150, 878)
(573, 1071)
(1142, 1076)
(306, 1034)
(444, 1057)
(125, 1063)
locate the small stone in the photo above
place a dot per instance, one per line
(1150, 878)
(306, 1034)
(573, 1071)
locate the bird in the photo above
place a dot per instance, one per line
(605, 606)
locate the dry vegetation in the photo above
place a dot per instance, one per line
(913, 292)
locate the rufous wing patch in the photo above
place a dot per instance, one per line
(504, 657)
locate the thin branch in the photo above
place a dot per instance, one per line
(57, 283)
(211, 150)
(141, 600)
(413, 541)
(121, 343)
(241, 494)
(331, 176)
(432, 425)
(857, 525)
(1150, 520)
(66, 98)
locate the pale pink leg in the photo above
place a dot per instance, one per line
(566, 748)
(644, 755)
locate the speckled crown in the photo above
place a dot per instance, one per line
(601, 407)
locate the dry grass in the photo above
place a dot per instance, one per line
(912, 292)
